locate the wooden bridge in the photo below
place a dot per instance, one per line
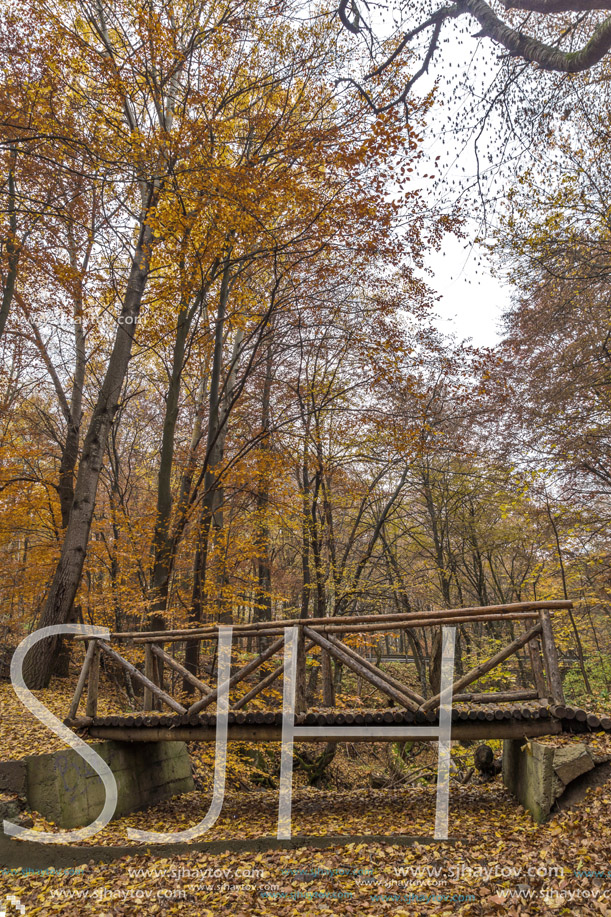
(523, 712)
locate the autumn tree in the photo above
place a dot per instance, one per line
(553, 242)
(211, 153)
(141, 132)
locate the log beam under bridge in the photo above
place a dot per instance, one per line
(389, 726)
(460, 731)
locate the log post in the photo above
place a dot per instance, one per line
(149, 672)
(93, 682)
(550, 654)
(300, 688)
(158, 679)
(534, 650)
(82, 679)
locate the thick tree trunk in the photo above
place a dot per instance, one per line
(66, 471)
(69, 461)
(37, 666)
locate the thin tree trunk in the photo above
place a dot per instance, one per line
(582, 664)
(162, 542)
(12, 249)
(211, 517)
(263, 595)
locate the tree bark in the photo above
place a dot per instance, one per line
(532, 49)
(162, 542)
(263, 596)
(212, 510)
(12, 249)
(37, 665)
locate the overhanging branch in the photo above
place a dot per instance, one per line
(353, 25)
(527, 47)
(535, 51)
(436, 20)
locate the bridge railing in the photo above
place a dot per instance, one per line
(325, 633)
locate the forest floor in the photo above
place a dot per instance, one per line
(497, 860)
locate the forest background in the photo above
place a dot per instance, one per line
(224, 393)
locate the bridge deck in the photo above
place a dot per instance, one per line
(467, 723)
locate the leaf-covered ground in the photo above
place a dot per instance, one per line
(500, 862)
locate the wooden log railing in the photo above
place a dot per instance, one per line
(484, 667)
(239, 676)
(377, 679)
(508, 611)
(201, 686)
(323, 634)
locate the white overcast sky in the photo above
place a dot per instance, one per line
(472, 300)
